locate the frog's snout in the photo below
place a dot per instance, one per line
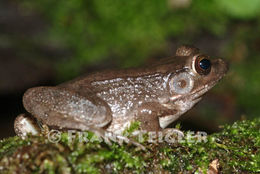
(224, 64)
(220, 67)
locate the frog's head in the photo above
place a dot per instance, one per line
(196, 74)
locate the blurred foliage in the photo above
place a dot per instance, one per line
(131, 30)
(128, 32)
(241, 8)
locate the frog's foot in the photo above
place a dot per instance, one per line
(173, 130)
(24, 124)
(120, 139)
(170, 133)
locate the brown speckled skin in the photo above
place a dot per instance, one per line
(112, 99)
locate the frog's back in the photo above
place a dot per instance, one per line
(165, 66)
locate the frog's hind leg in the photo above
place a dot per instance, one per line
(49, 103)
(75, 110)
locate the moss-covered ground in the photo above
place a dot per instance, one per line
(233, 150)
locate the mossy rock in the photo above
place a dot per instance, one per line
(233, 150)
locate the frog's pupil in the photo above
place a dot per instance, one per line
(205, 64)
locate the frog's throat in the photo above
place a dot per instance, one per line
(181, 107)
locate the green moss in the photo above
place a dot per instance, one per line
(236, 148)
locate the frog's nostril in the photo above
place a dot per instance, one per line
(223, 66)
(226, 66)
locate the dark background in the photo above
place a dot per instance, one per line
(46, 42)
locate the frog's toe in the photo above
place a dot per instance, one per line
(173, 131)
(24, 125)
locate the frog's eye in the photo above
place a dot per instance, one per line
(202, 65)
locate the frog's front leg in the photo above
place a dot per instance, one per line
(155, 117)
(63, 109)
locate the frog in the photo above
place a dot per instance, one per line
(111, 100)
